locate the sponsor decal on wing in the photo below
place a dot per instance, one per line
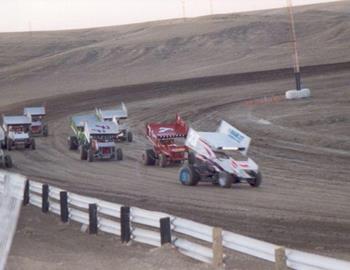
(165, 129)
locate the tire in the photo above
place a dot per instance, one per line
(32, 145)
(8, 161)
(215, 179)
(188, 175)
(90, 155)
(9, 144)
(83, 152)
(119, 154)
(148, 157)
(162, 160)
(225, 180)
(73, 143)
(191, 158)
(256, 181)
(129, 136)
(45, 131)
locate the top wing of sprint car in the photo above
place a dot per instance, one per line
(120, 112)
(159, 131)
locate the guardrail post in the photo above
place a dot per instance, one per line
(26, 193)
(280, 259)
(64, 206)
(45, 198)
(93, 218)
(125, 232)
(165, 231)
(218, 250)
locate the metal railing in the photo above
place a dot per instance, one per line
(193, 239)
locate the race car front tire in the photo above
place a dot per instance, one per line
(162, 160)
(225, 180)
(9, 144)
(257, 180)
(8, 161)
(45, 130)
(129, 136)
(90, 155)
(188, 175)
(148, 157)
(73, 143)
(119, 154)
(83, 153)
(32, 145)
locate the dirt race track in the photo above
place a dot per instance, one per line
(302, 147)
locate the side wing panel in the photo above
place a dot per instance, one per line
(194, 141)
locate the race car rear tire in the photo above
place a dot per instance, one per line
(191, 158)
(83, 153)
(9, 144)
(257, 180)
(45, 131)
(73, 143)
(90, 155)
(225, 180)
(162, 160)
(148, 157)
(8, 161)
(129, 136)
(32, 145)
(188, 175)
(119, 154)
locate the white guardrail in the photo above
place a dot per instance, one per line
(136, 224)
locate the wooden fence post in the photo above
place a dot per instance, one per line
(280, 259)
(26, 195)
(125, 233)
(218, 250)
(45, 198)
(64, 206)
(93, 218)
(165, 231)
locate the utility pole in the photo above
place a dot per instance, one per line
(298, 92)
(211, 7)
(30, 28)
(183, 9)
(295, 48)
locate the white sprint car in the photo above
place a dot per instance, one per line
(117, 115)
(220, 158)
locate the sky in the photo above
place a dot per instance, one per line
(39, 15)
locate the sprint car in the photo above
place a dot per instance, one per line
(220, 158)
(118, 116)
(168, 141)
(94, 139)
(37, 114)
(17, 132)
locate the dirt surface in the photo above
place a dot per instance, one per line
(43, 242)
(302, 147)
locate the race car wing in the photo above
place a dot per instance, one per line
(242, 140)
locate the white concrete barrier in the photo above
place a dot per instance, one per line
(298, 94)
